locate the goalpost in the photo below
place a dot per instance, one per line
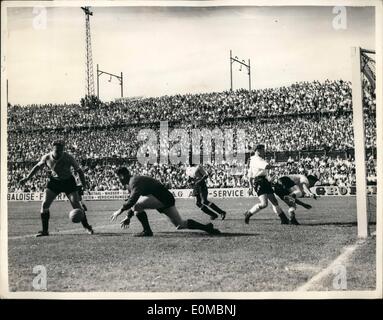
(363, 73)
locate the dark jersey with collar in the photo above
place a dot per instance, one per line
(61, 168)
(144, 186)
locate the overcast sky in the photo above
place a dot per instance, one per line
(172, 50)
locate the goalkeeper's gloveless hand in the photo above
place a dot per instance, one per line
(125, 223)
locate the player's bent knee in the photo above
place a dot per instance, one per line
(206, 203)
(137, 208)
(262, 205)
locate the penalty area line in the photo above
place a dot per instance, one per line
(342, 259)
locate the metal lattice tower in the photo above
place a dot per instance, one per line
(89, 79)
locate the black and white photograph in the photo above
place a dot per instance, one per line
(191, 149)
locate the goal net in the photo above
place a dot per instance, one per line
(364, 123)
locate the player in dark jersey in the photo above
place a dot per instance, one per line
(62, 166)
(286, 188)
(148, 193)
(197, 177)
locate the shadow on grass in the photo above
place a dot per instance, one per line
(170, 234)
(337, 224)
(272, 219)
(253, 220)
(85, 235)
(187, 234)
(110, 234)
(237, 234)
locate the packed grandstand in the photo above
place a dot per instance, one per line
(306, 127)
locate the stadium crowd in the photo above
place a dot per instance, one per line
(101, 176)
(294, 134)
(304, 97)
(305, 116)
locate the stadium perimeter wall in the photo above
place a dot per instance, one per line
(186, 193)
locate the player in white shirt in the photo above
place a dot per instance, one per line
(257, 173)
(61, 165)
(198, 176)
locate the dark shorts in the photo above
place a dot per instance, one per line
(280, 190)
(282, 187)
(286, 182)
(167, 199)
(262, 186)
(67, 186)
(201, 192)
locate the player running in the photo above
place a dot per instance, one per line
(289, 188)
(198, 176)
(61, 180)
(148, 193)
(259, 183)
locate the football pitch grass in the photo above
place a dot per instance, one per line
(261, 256)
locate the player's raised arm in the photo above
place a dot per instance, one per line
(34, 170)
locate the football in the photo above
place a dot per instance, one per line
(76, 215)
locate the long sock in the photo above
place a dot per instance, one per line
(283, 217)
(291, 212)
(84, 206)
(303, 204)
(208, 211)
(143, 218)
(277, 209)
(192, 224)
(45, 220)
(216, 208)
(84, 222)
